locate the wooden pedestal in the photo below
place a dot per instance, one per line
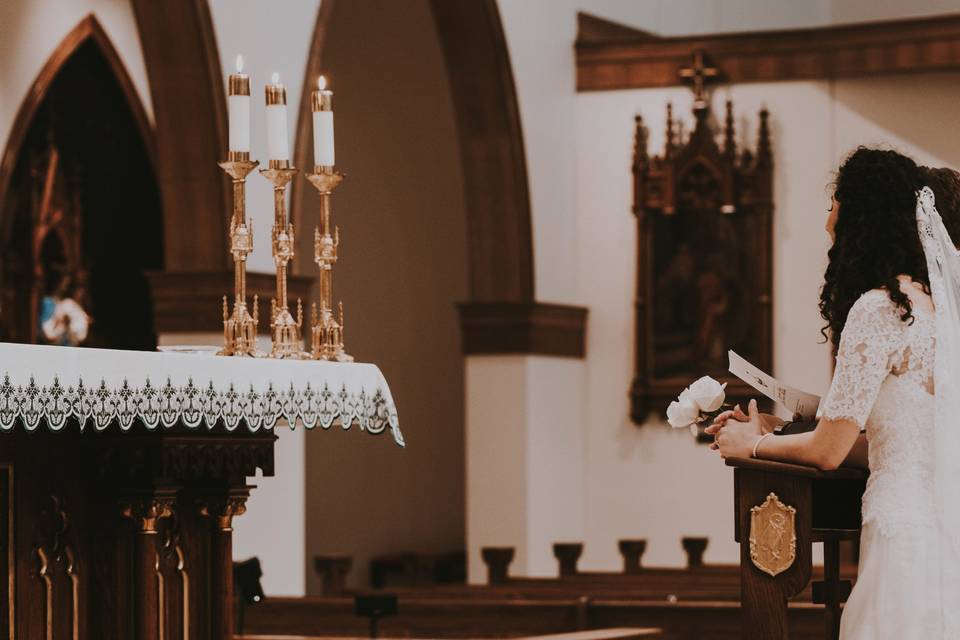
(122, 535)
(827, 508)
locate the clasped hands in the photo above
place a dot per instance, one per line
(736, 433)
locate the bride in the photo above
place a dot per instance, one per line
(891, 302)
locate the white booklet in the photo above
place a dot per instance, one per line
(799, 403)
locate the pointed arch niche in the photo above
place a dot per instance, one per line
(77, 175)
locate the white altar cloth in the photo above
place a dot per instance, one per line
(51, 384)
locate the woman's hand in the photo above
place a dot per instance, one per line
(768, 421)
(735, 437)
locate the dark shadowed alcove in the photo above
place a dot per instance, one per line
(80, 210)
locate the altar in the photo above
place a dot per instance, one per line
(121, 473)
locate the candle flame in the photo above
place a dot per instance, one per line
(275, 78)
(321, 83)
(239, 63)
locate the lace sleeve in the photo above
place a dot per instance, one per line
(871, 342)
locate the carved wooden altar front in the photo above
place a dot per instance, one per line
(119, 535)
(121, 473)
(704, 246)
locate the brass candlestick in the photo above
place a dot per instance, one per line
(284, 330)
(327, 330)
(240, 327)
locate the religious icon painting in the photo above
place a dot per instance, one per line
(704, 221)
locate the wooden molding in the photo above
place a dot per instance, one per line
(87, 29)
(189, 106)
(523, 327)
(500, 241)
(190, 301)
(610, 57)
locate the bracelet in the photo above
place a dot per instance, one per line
(757, 444)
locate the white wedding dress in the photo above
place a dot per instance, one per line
(900, 381)
(884, 382)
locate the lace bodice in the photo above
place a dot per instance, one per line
(884, 383)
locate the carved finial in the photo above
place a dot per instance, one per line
(698, 74)
(256, 309)
(729, 146)
(273, 310)
(639, 141)
(313, 314)
(336, 237)
(341, 321)
(764, 155)
(226, 314)
(670, 141)
(299, 313)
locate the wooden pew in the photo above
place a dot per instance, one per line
(698, 581)
(702, 582)
(624, 633)
(457, 618)
(781, 510)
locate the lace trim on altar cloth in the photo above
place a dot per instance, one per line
(192, 405)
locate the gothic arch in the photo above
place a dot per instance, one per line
(88, 29)
(500, 248)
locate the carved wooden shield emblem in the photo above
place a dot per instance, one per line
(773, 536)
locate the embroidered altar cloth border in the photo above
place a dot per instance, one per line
(50, 384)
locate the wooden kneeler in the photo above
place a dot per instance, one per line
(781, 510)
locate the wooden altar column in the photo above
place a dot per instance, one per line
(780, 511)
(221, 512)
(146, 511)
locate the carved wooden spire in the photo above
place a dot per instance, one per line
(669, 147)
(764, 153)
(640, 156)
(729, 146)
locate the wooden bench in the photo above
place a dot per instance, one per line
(596, 634)
(457, 618)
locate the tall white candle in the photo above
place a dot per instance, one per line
(238, 109)
(277, 143)
(322, 104)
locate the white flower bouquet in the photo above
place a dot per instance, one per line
(700, 402)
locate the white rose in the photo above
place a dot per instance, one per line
(707, 393)
(683, 412)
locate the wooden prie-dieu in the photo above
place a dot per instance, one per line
(119, 535)
(780, 511)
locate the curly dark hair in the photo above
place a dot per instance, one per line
(875, 236)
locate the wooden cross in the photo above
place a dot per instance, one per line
(699, 74)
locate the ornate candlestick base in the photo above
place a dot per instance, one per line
(240, 327)
(240, 330)
(284, 329)
(327, 336)
(327, 330)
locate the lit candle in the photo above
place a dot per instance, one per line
(277, 143)
(322, 103)
(238, 108)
